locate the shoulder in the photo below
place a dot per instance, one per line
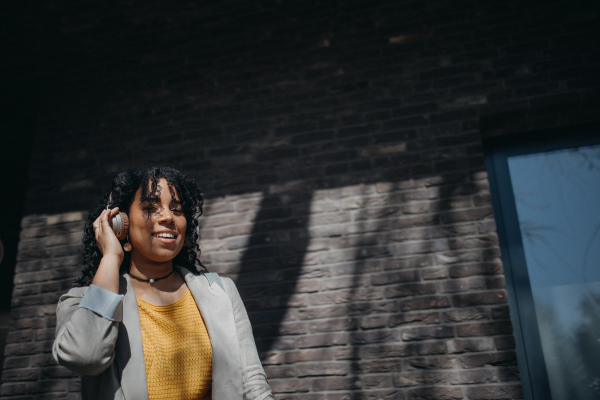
(227, 281)
(231, 290)
(69, 301)
(188, 274)
(211, 278)
(228, 284)
(74, 293)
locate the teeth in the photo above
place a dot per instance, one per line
(165, 235)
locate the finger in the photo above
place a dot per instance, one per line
(113, 212)
(97, 221)
(104, 219)
(96, 225)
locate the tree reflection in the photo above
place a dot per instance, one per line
(573, 353)
(556, 195)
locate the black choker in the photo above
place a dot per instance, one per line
(150, 280)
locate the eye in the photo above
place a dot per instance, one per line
(177, 210)
(150, 209)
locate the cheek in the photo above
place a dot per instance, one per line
(140, 226)
(182, 226)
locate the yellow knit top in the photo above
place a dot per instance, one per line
(177, 350)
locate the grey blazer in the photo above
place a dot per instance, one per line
(98, 336)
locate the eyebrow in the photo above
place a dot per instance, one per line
(152, 201)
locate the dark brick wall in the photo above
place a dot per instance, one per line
(340, 149)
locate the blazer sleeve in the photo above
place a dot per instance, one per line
(255, 383)
(86, 329)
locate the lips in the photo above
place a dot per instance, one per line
(165, 236)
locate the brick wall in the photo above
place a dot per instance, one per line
(49, 258)
(339, 147)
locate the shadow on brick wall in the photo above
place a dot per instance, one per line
(273, 259)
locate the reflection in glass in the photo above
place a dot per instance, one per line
(557, 195)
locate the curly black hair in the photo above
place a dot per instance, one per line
(122, 194)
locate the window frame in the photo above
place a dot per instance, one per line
(497, 150)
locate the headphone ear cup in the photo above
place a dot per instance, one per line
(120, 225)
(125, 230)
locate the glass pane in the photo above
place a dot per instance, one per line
(557, 195)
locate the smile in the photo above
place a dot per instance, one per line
(164, 235)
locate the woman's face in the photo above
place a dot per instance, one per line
(157, 230)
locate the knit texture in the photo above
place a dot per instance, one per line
(177, 349)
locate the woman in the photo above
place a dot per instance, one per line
(142, 322)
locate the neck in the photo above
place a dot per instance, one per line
(150, 270)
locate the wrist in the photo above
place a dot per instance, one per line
(112, 259)
(107, 275)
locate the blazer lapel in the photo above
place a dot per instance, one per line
(130, 348)
(216, 309)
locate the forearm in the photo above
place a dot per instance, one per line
(107, 276)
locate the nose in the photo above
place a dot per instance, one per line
(166, 215)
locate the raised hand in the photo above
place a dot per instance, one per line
(106, 239)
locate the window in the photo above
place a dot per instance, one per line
(546, 194)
